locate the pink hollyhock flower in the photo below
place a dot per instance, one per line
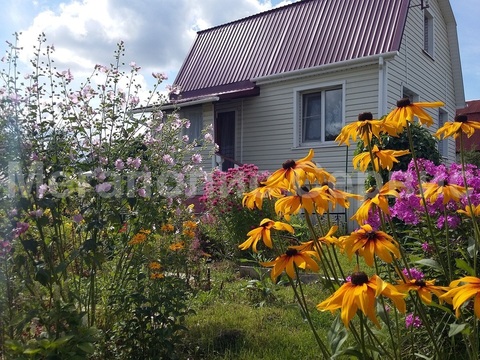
(119, 164)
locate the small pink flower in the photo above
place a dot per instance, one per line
(196, 158)
(135, 163)
(119, 164)
(411, 321)
(103, 187)
(168, 159)
(142, 192)
(21, 228)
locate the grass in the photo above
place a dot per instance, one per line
(252, 319)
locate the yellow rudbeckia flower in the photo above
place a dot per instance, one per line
(458, 295)
(255, 197)
(424, 289)
(360, 293)
(368, 242)
(381, 159)
(407, 111)
(473, 211)
(293, 172)
(313, 200)
(375, 197)
(365, 128)
(457, 127)
(263, 233)
(433, 190)
(301, 259)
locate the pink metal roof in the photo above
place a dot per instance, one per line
(301, 35)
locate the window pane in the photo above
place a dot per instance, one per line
(333, 113)
(194, 115)
(312, 117)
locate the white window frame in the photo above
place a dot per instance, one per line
(298, 93)
(194, 114)
(428, 33)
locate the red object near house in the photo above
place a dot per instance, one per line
(472, 111)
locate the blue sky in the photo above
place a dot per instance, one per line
(159, 33)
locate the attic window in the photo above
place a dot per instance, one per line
(319, 115)
(428, 32)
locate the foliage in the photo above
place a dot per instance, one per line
(226, 221)
(415, 294)
(97, 247)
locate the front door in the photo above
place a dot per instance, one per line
(225, 138)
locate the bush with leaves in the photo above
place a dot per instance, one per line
(89, 180)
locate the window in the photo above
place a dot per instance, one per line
(320, 115)
(442, 144)
(428, 32)
(195, 116)
(409, 94)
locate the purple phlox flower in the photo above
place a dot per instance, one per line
(427, 248)
(142, 192)
(452, 221)
(412, 321)
(415, 274)
(185, 138)
(407, 208)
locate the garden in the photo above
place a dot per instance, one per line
(101, 257)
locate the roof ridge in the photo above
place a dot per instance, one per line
(260, 14)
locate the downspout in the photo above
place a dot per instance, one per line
(241, 133)
(382, 87)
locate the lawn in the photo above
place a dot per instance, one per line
(241, 318)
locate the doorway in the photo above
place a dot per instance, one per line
(225, 138)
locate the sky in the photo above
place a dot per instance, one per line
(159, 33)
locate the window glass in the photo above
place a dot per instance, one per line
(321, 115)
(333, 113)
(194, 116)
(312, 117)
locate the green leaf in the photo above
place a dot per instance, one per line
(32, 351)
(471, 247)
(456, 329)
(462, 264)
(87, 347)
(430, 263)
(337, 335)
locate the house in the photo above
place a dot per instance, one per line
(472, 111)
(283, 81)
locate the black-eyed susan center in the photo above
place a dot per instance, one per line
(420, 283)
(289, 164)
(365, 116)
(461, 118)
(291, 252)
(359, 278)
(403, 102)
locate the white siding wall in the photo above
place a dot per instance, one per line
(429, 77)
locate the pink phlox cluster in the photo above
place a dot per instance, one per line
(415, 274)
(408, 206)
(412, 321)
